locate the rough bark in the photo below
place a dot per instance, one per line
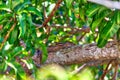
(89, 53)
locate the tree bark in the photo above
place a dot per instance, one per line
(88, 53)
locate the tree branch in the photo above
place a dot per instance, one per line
(115, 72)
(79, 69)
(90, 54)
(106, 71)
(52, 13)
(107, 3)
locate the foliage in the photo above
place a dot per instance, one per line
(20, 35)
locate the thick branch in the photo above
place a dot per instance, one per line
(85, 54)
(107, 3)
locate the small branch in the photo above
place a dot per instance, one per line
(79, 69)
(81, 36)
(37, 25)
(1, 26)
(7, 35)
(52, 13)
(105, 71)
(116, 72)
(49, 18)
(107, 3)
(44, 10)
(75, 29)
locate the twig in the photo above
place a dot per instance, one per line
(105, 71)
(1, 26)
(116, 72)
(87, 30)
(49, 18)
(64, 37)
(81, 36)
(52, 13)
(74, 29)
(44, 11)
(7, 35)
(79, 69)
(37, 25)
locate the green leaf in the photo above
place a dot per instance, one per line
(5, 66)
(102, 10)
(21, 6)
(16, 2)
(108, 31)
(20, 75)
(100, 18)
(83, 1)
(5, 18)
(82, 14)
(22, 26)
(102, 25)
(7, 26)
(118, 17)
(4, 7)
(3, 21)
(29, 65)
(1, 39)
(92, 10)
(95, 24)
(34, 10)
(1, 59)
(11, 65)
(118, 34)
(19, 71)
(16, 51)
(29, 19)
(10, 4)
(13, 36)
(7, 15)
(69, 12)
(44, 51)
(69, 3)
